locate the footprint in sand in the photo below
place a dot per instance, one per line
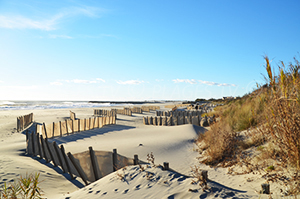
(138, 187)
(97, 192)
(182, 178)
(104, 193)
(125, 191)
(90, 191)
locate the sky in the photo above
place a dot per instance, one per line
(142, 50)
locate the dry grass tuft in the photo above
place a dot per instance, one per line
(26, 187)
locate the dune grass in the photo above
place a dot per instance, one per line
(26, 188)
(270, 114)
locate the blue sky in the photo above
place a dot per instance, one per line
(141, 50)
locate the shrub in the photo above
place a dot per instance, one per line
(283, 112)
(221, 143)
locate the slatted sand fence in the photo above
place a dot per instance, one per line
(150, 108)
(103, 112)
(178, 113)
(72, 115)
(178, 120)
(24, 121)
(136, 110)
(58, 129)
(89, 165)
(124, 111)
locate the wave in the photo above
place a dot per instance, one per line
(28, 105)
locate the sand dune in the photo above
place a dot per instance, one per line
(173, 144)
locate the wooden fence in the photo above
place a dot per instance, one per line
(176, 105)
(178, 120)
(125, 111)
(179, 113)
(89, 165)
(71, 126)
(150, 108)
(102, 112)
(24, 121)
(136, 110)
(72, 115)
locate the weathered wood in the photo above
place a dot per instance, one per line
(78, 168)
(166, 166)
(265, 188)
(57, 154)
(136, 159)
(44, 148)
(28, 143)
(94, 163)
(66, 122)
(45, 131)
(114, 158)
(50, 152)
(32, 144)
(66, 161)
(39, 145)
(60, 129)
(204, 175)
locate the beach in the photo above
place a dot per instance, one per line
(172, 144)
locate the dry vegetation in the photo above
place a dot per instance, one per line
(26, 187)
(266, 121)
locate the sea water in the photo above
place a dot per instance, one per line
(18, 105)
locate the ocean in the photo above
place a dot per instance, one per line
(23, 105)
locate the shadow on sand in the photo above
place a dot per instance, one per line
(90, 133)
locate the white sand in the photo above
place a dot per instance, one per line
(168, 144)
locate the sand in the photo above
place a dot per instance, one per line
(173, 144)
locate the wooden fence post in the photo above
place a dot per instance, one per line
(265, 188)
(136, 159)
(94, 163)
(79, 170)
(44, 126)
(166, 166)
(53, 127)
(39, 145)
(204, 174)
(50, 152)
(44, 148)
(32, 144)
(58, 156)
(115, 159)
(27, 142)
(66, 160)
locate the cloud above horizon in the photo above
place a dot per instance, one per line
(130, 82)
(193, 81)
(77, 81)
(14, 21)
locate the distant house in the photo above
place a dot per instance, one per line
(228, 98)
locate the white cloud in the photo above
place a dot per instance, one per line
(48, 24)
(192, 81)
(159, 80)
(56, 83)
(21, 22)
(60, 36)
(101, 80)
(77, 81)
(130, 82)
(81, 81)
(215, 83)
